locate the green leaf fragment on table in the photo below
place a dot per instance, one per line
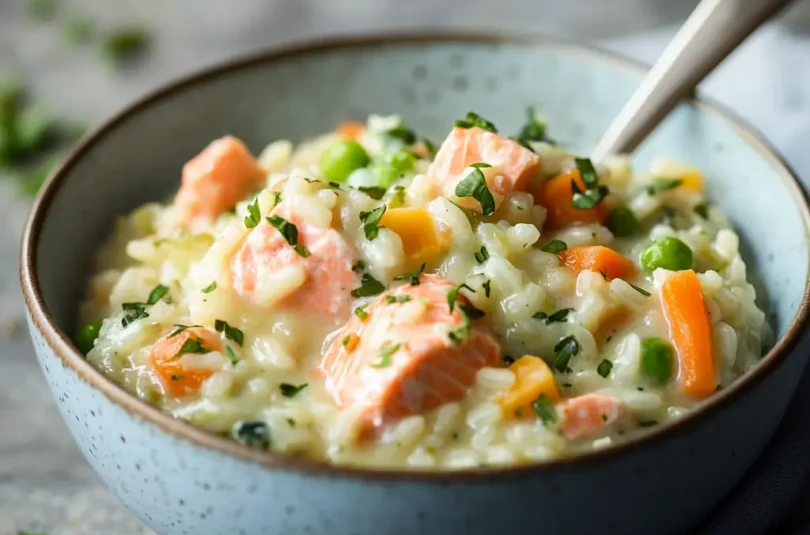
(124, 43)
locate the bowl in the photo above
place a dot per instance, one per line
(179, 479)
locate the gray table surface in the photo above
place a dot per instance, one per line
(44, 482)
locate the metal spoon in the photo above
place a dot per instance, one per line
(713, 30)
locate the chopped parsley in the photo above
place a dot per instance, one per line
(486, 287)
(371, 222)
(585, 200)
(523, 142)
(397, 197)
(193, 345)
(361, 313)
(482, 255)
(587, 171)
(346, 340)
(375, 192)
(156, 294)
(290, 233)
(642, 291)
(253, 434)
(534, 129)
(359, 266)
(663, 184)
(125, 43)
(231, 354)
(403, 133)
(413, 276)
(369, 286)
(231, 333)
(134, 311)
(545, 409)
(604, 368)
(554, 247)
(472, 312)
(397, 298)
(702, 209)
(180, 328)
(564, 350)
(386, 355)
(290, 391)
(210, 288)
(176, 377)
(475, 185)
(561, 316)
(276, 198)
(254, 215)
(473, 119)
(452, 295)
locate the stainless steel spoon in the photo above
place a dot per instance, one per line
(711, 33)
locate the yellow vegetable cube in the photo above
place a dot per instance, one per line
(532, 378)
(422, 241)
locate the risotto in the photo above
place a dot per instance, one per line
(367, 298)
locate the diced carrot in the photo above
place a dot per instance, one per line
(421, 240)
(597, 258)
(517, 165)
(532, 378)
(164, 360)
(411, 354)
(591, 415)
(557, 196)
(216, 179)
(691, 333)
(351, 130)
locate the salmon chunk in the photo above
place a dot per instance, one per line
(269, 270)
(406, 352)
(591, 415)
(216, 179)
(516, 165)
(165, 359)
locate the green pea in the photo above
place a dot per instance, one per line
(342, 158)
(667, 253)
(392, 166)
(657, 359)
(86, 337)
(622, 222)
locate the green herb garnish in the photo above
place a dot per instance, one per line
(386, 355)
(361, 313)
(486, 287)
(475, 185)
(125, 43)
(554, 247)
(180, 328)
(371, 222)
(473, 119)
(564, 350)
(176, 377)
(545, 409)
(134, 311)
(403, 133)
(368, 286)
(193, 345)
(482, 255)
(587, 171)
(534, 129)
(452, 295)
(231, 333)
(290, 233)
(359, 266)
(585, 200)
(231, 354)
(663, 184)
(561, 316)
(253, 434)
(604, 368)
(430, 147)
(397, 298)
(290, 391)
(702, 209)
(412, 275)
(642, 291)
(254, 215)
(375, 192)
(472, 312)
(156, 294)
(210, 288)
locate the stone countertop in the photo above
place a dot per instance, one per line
(44, 482)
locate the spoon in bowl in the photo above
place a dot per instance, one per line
(713, 30)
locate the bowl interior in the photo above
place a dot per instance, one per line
(138, 157)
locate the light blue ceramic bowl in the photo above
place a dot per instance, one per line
(181, 480)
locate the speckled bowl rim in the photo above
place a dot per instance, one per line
(61, 345)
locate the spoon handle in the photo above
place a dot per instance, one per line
(711, 32)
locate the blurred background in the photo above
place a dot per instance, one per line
(66, 65)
